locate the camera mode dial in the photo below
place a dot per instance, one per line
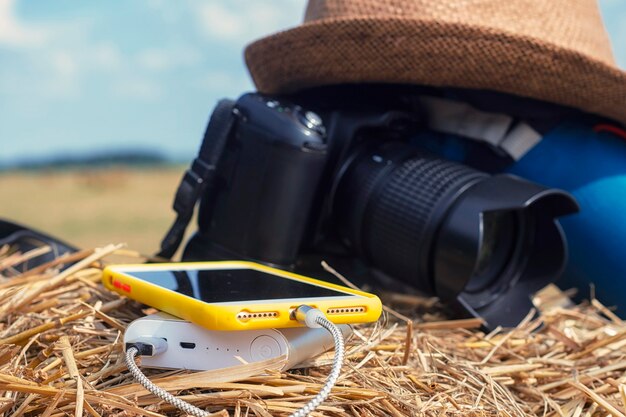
(310, 120)
(306, 118)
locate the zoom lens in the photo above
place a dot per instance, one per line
(451, 230)
(497, 239)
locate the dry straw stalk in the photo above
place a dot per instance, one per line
(61, 354)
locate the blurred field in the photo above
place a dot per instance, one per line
(90, 208)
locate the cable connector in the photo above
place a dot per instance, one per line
(308, 315)
(314, 318)
(148, 346)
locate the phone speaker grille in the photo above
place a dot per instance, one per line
(247, 315)
(346, 310)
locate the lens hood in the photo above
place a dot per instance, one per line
(536, 255)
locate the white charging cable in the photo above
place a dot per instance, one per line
(311, 317)
(314, 318)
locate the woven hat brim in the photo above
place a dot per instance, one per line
(434, 53)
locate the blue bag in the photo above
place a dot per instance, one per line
(592, 166)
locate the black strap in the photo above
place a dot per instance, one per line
(24, 239)
(199, 175)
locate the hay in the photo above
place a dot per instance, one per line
(61, 354)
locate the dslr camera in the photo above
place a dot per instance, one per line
(283, 180)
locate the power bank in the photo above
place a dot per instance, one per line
(195, 348)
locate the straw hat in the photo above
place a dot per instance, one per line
(552, 50)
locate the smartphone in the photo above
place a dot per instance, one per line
(238, 295)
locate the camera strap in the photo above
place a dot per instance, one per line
(198, 175)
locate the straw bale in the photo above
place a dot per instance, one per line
(61, 354)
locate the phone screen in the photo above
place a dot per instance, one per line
(226, 285)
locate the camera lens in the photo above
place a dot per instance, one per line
(497, 241)
(448, 229)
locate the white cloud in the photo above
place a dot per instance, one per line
(57, 72)
(225, 82)
(218, 21)
(52, 57)
(105, 56)
(60, 88)
(164, 59)
(246, 20)
(170, 12)
(63, 63)
(153, 59)
(76, 60)
(15, 33)
(138, 89)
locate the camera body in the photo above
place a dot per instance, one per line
(261, 201)
(345, 180)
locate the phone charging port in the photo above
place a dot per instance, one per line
(187, 345)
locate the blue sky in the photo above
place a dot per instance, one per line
(87, 76)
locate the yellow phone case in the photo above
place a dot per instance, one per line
(242, 315)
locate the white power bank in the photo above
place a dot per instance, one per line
(193, 347)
